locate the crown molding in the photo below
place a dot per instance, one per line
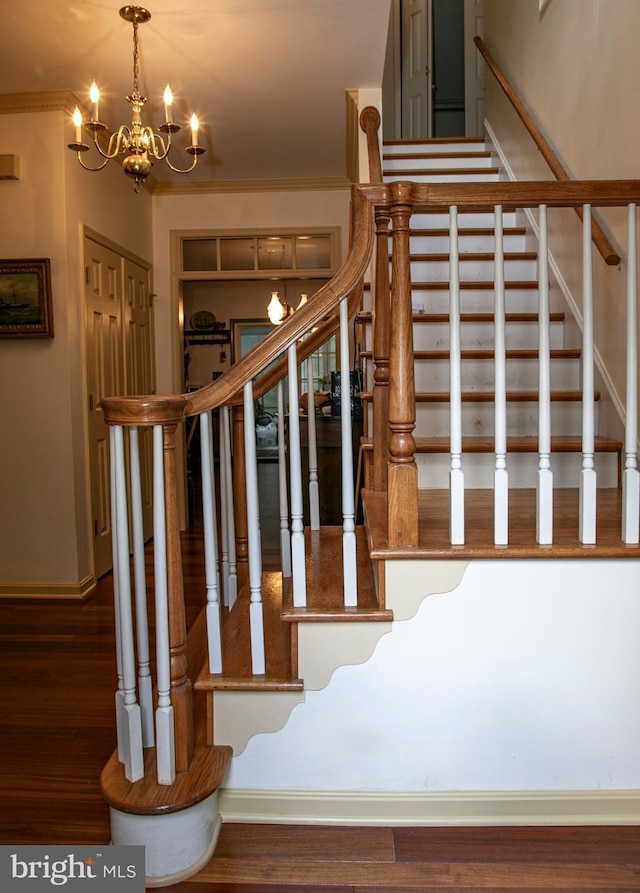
(49, 101)
(304, 184)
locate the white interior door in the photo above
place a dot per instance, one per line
(473, 68)
(103, 297)
(120, 360)
(417, 69)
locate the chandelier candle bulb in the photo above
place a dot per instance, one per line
(77, 120)
(168, 100)
(194, 130)
(94, 96)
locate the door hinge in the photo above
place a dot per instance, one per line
(90, 402)
(95, 528)
(87, 275)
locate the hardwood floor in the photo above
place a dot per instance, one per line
(57, 663)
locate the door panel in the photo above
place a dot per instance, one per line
(417, 69)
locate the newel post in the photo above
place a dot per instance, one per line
(402, 504)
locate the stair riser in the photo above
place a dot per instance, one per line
(397, 165)
(466, 220)
(472, 270)
(478, 419)
(517, 300)
(435, 177)
(479, 375)
(472, 242)
(481, 336)
(435, 148)
(433, 470)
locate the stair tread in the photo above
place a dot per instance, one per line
(325, 599)
(470, 317)
(468, 231)
(489, 396)
(520, 444)
(425, 156)
(562, 353)
(440, 256)
(474, 285)
(448, 171)
(236, 647)
(434, 140)
(433, 521)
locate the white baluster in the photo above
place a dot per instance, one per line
(165, 731)
(314, 493)
(295, 471)
(224, 520)
(456, 474)
(631, 476)
(256, 620)
(214, 634)
(145, 686)
(226, 480)
(119, 698)
(587, 524)
(501, 475)
(285, 534)
(349, 559)
(544, 484)
(132, 745)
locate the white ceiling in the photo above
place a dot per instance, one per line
(266, 77)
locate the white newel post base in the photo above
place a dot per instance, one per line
(177, 844)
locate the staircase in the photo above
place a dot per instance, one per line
(267, 648)
(471, 160)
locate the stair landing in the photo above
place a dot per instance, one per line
(433, 519)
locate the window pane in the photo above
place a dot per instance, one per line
(275, 254)
(199, 254)
(313, 253)
(237, 254)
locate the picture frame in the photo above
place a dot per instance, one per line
(25, 298)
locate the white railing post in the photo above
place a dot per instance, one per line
(145, 683)
(165, 729)
(314, 492)
(587, 523)
(456, 474)
(226, 485)
(214, 620)
(285, 534)
(501, 475)
(295, 470)
(349, 559)
(544, 484)
(131, 749)
(631, 476)
(256, 619)
(119, 697)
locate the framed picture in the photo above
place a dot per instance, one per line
(25, 298)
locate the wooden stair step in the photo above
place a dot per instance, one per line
(568, 353)
(433, 526)
(325, 597)
(442, 257)
(522, 444)
(236, 646)
(489, 396)
(365, 317)
(467, 231)
(445, 171)
(434, 140)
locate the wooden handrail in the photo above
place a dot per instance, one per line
(370, 124)
(600, 240)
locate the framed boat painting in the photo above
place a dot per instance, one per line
(25, 298)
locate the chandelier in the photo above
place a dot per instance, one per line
(139, 143)
(278, 311)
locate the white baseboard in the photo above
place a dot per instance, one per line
(459, 808)
(76, 591)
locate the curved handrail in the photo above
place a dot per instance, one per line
(133, 410)
(600, 240)
(370, 125)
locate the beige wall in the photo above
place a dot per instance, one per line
(575, 67)
(45, 519)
